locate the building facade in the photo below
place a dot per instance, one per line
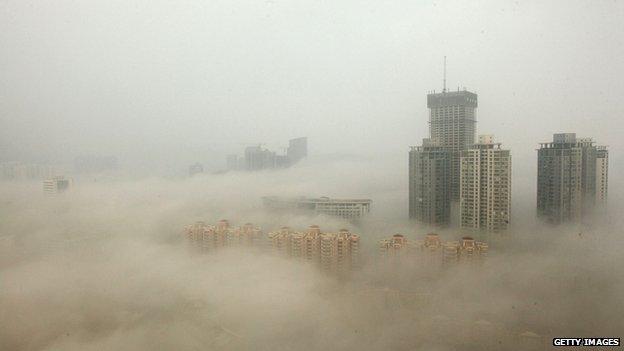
(206, 237)
(27, 171)
(429, 183)
(602, 175)
(452, 124)
(567, 174)
(349, 209)
(485, 186)
(56, 185)
(336, 253)
(431, 250)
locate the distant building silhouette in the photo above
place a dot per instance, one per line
(196, 168)
(25, 171)
(56, 185)
(258, 158)
(297, 149)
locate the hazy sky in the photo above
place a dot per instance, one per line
(196, 79)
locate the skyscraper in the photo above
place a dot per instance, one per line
(485, 190)
(602, 174)
(566, 178)
(429, 176)
(452, 121)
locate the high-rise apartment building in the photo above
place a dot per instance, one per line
(485, 191)
(337, 253)
(429, 177)
(567, 177)
(602, 175)
(452, 124)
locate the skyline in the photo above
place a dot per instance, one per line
(46, 96)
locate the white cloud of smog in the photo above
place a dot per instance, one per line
(104, 267)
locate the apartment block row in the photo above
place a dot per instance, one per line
(432, 249)
(206, 237)
(336, 252)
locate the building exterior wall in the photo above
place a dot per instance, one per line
(569, 178)
(205, 237)
(56, 185)
(602, 175)
(431, 251)
(336, 253)
(452, 123)
(349, 209)
(429, 190)
(559, 184)
(485, 192)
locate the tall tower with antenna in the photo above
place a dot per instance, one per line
(452, 125)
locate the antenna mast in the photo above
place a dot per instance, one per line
(444, 81)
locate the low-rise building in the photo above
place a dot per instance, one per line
(56, 185)
(349, 209)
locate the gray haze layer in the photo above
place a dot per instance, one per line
(105, 267)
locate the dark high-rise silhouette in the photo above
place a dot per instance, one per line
(452, 121)
(429, 192)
